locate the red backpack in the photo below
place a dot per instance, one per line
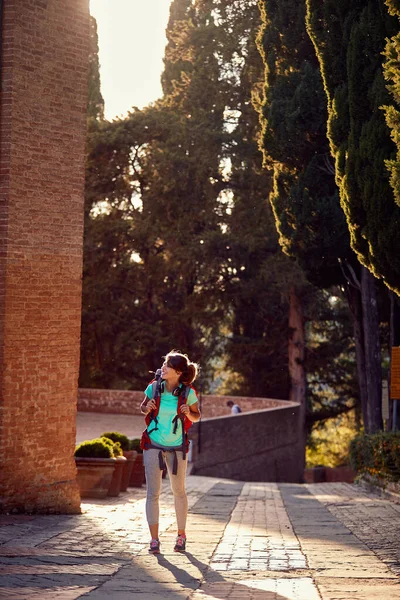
(151, 417)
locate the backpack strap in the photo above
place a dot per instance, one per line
(156, 396)
(180, 417)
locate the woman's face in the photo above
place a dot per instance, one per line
(168, 371)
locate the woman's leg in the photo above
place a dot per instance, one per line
(153, 482)
(178, 486)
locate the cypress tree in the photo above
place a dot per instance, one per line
(95, 107)
(391, 73)
(349, 38)
(311, 225)
(309, 218)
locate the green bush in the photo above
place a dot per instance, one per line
(135, 445)
(377, 454)
(118, 437)
(96, 448)
(116, 446)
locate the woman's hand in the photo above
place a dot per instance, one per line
(191, 412)
(148, 406)
(185, 409)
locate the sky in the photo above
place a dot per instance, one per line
(131, 48)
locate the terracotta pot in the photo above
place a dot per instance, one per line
(130, 456)
(115, 485)
(137, 476)
(94, 476)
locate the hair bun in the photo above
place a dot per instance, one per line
(189, 374)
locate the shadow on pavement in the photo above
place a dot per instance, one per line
(219, 587)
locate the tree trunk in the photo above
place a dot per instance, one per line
(394, 341)
(353, 295)
(373, 371)
(296, 352)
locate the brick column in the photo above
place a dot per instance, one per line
(42, 128)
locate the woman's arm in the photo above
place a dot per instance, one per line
(147, 405)
(191, 412)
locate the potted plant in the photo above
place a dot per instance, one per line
(95, 464)
(128, 453)
(115, 485)
(137, 475)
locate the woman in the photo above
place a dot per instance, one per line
(170, 409)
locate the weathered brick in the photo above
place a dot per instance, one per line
(42, 131)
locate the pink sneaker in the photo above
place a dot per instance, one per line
(154, 547)
(180, 545)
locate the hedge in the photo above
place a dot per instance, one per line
(377, 454)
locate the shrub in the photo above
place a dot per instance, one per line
(135, 445)
(116, 446)
(117, 437)
(96, 448)
(377, 454)
(328, 443)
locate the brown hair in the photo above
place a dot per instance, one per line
(180, 362)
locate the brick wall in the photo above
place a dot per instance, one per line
(42, 127)
(262, 445)
(128, 402)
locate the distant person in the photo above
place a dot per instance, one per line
(235, 408)
(171, 406)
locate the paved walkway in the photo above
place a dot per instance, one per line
(246, 541)
(90, 425)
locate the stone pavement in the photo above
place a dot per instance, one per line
(246, 541)
(90, 425)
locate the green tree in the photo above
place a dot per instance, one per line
(391, 72)
(95, 108)
(349, 38)
(311, 225)
(256, 293)
(153, 232)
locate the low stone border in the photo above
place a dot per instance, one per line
(124, 402)
(377, 485)
(329, 474)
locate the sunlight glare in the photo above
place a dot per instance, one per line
(131, 49)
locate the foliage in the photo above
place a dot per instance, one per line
(179, 240)
(95, 106)
(391, 72)
(256, 274)
(331, 370)
(115, 436)
(96, 448)
(349, 39)
(311, 225)
(116, 446)
(377, 454)
(180, 245)
(328, 443)
(152, 234)
(135, 445)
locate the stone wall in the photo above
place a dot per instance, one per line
(43, 127)
(128, 402)
(262, 445)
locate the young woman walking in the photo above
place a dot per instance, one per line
(170, 406)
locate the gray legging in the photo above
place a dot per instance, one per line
(153, 481)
